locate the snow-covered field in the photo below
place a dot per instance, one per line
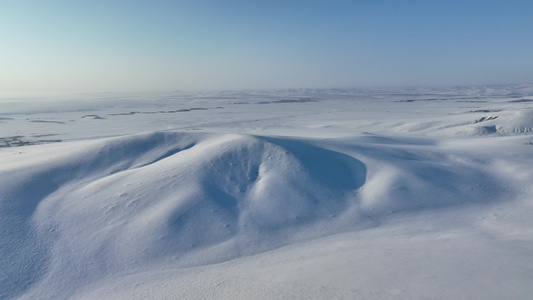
(295, 194)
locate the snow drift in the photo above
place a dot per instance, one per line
(345, 194)
(117, 205)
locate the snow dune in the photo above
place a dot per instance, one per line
(218, 215)
(504, 123)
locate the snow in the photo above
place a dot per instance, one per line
(298, 194)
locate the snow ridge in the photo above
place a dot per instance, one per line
(135, 203)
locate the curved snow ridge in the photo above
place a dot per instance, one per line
(222, 186)
(505, 123)
(39, 181)
(116, 203)
(512, 122)
(516, 122)
(123, 205)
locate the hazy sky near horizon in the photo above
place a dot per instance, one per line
(106, 45)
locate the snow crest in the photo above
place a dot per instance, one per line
(123, 205)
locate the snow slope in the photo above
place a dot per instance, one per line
(377, 194)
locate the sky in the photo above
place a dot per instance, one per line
(96, 46)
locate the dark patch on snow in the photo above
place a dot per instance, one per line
(521, 101)
(484, 110)
(160, 111)
(95, 117)
(18, 141)
(483, 119)
(46, 121)
(299, 100)
(288, 101)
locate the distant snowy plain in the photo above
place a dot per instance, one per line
(295, 194)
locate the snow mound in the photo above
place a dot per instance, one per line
(516, 122)
(125, 205)
(511, 122)
(157, 197)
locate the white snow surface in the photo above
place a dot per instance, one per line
(421, 193)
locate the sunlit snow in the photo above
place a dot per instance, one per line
(423, 193)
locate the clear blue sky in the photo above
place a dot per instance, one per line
(84, 46)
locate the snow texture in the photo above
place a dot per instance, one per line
(297, 194)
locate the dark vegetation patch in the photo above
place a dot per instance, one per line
(484, 110)
(159, 111)
(45, 121)
(19, 140)
(521, 101)
(43, 135)
(286, 101)
(299, 100)
(96, 117)
(457, 99)
(486, 119)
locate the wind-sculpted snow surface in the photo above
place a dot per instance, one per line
(121, 205)
(159, 197)
(299, 194)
